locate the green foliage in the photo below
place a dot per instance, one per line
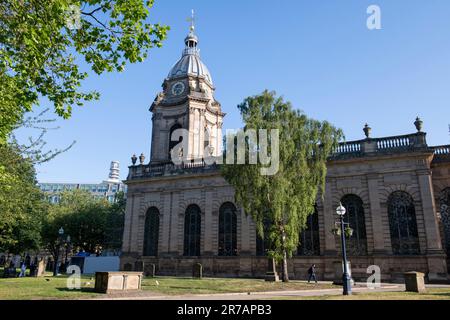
(40, 43)
(22, 205)
(115, 223)
(286, 199)
(93, 224)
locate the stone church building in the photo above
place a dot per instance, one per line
(396, 191)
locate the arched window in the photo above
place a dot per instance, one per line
(309, 238)
(151, 232)
(172, 144)
(192, 225)
(357, 243)
(444, 203)
(227, 230)
(402, 224)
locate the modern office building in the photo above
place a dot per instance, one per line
(107, 189)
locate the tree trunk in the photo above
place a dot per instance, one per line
(285, 267)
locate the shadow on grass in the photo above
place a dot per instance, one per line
(84, 290)
(189, 289)
(442, 294)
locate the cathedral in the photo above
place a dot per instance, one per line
(396, 191)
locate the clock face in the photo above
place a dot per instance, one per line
(178, 88)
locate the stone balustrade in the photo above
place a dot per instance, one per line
(168, 169)
(349, 147)
(442, 150)
(371, 146)
(394, 142)
(441, 153)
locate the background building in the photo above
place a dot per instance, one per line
(108, 189)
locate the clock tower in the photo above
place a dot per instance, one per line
(187, 102)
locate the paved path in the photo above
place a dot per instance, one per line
(147, 295)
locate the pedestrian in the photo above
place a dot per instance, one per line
(23, 269)
(312, 273)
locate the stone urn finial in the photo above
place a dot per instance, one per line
(419, 124)
(367, 130)
(133, 159)
(141, 158)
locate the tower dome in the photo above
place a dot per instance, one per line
(190, 63)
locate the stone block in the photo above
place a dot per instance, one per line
(108, 282)
(415, 281)
(139, 266)
(150, 270)
(197, 271)
(272, 276)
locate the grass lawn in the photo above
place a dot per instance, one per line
(47, 287)
(176, 286)
(56, 287)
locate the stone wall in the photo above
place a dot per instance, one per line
(372, 179)
(441, 183)
(255, 267)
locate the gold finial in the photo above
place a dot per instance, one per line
(192, 21)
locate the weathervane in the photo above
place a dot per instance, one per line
(192, 21)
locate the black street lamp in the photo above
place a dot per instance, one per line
(68, 248)
(340, 211)
(58, 248)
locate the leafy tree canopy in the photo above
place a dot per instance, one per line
(22, 205)
(283, 200)
(40, 41)
(93, 224)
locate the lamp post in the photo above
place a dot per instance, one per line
(340, 211)
(59, 241)
(68, 248)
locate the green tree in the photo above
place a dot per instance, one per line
(42, 41)
(22, 205)
(284, 200)
(93, 224)
(115, 223)
(59, 216)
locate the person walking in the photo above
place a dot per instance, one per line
(23, 269)
(312, 273)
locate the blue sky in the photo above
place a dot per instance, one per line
(317, 54)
